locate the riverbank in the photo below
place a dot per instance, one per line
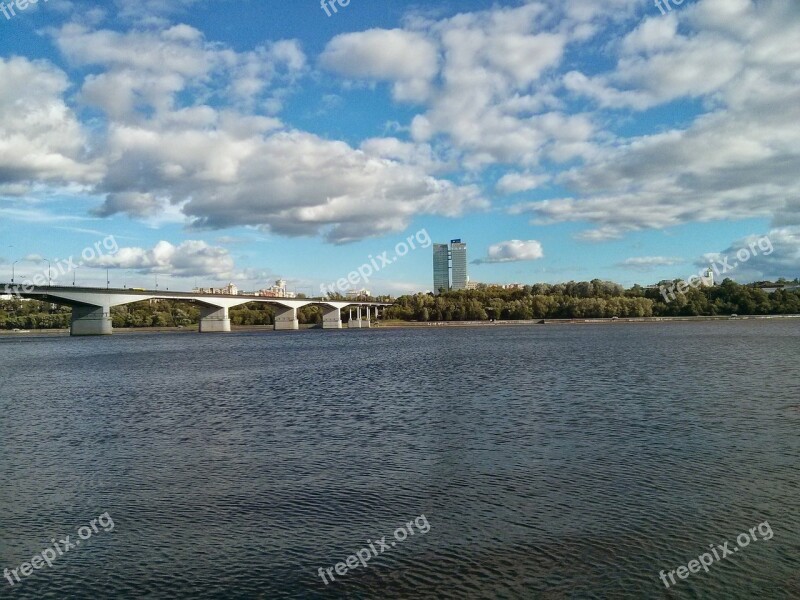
(146, 330)
(407, 324)
(588, 321)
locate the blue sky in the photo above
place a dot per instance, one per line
(244, 141)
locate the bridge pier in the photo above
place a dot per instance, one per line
(331, 317)
(214, 319)
(286, 319)
(91, 320)
(355, 323)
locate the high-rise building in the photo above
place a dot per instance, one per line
(450, 266)
(441, 268)
(458, 254)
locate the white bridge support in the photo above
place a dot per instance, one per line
(91, 312)
(355, 323)
(215, 315)
(214, 319)
(91, 320)
(286, 318)
(332, 315)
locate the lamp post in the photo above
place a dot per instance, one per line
(48, 272)
(108, 280)
(12, 270)
(74, 273)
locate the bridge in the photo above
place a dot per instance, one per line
(91, 307)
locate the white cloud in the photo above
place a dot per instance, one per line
(146, 69)
(647, 263)
(512, 251)
(186, 136)
(737, 160)
(408, 153)
(408, 58)
(189, 259)
(482, 77)
(291, 182)
(221, 167)
(512, 183)
(41, 139)
(760, 256)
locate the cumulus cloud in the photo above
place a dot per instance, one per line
(41, 139)
(189, 259)
(146, 69)
(191, 126)
(512, 251)
(410, 153)
(646, 263)
(512, 183)
(481, 76)
(768, 256)
(736, 160)
(406, 57)
(222, 167)
(291, 182)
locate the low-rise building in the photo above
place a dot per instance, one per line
(229, 290)
(277, 291)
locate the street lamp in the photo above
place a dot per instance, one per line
(48, 272)
(108, 280)
(12, 269)
(74, 273)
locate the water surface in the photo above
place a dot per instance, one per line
(550, 462)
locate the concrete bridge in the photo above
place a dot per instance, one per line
(91, 307)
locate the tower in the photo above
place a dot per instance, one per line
(441, 268)
(458, 253)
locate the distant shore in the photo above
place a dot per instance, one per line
(418, 324)
(586, 321)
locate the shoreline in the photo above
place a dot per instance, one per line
(419, 324)
(583, 321)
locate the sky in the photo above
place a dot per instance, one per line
(200, 143)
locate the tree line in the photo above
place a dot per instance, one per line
(572, 300)
(592, 299)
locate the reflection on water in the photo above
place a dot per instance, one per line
(551, 462)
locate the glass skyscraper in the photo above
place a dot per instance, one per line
(441, 268)
(443, 257)
(458, 255)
